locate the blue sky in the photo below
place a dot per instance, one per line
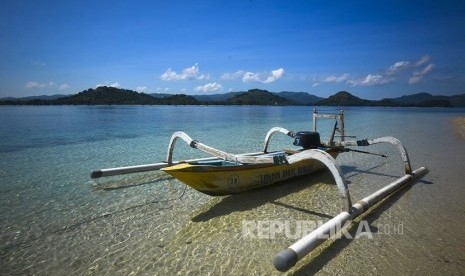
(373, 49)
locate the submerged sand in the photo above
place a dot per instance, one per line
(201, 235)
(459, 125)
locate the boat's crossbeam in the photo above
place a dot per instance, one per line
(141, 168)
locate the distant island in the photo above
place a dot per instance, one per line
(115, 96)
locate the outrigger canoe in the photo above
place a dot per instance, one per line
(225, 173)
(219, 177)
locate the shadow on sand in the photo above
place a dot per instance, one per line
(270, 194)
(336, 246)
(252, 199)
(351, 171)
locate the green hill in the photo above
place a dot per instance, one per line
(216, 97)
(179, 99)
(344, 98)
(428, 100)
(457, 100)
(104, 95)
(414, 98)
(114, 96)
(302, 98)
(299, 97)
(258, 97)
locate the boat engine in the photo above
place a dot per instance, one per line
(307, 139)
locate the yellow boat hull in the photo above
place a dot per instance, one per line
(225, 180)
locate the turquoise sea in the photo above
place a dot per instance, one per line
(55, 220)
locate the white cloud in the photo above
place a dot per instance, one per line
(263, 77)
(427, 69)
(397, 67)
(251, 77)
(142, 88)
(411, 71)
(423, 60)
(46, 85)
(336, 79)
(38, 85)
(418, 75)
(414, 79)
(330, 79)
(370, 80)
(161, 89)
(275, 75)
(115, 84)
(190, 73)
(403, 65)
(64, 86)
(422, 67)
(209, 87)
(35, 85)
(233, 76)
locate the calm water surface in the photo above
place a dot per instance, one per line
(54, 220)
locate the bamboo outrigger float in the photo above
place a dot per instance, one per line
(225, 173)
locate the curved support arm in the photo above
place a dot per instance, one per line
(331, 164)
(194, 144)
(387, 139)
(273, 131)
(174, 138)
(277, 159)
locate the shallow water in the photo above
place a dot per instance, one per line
(55, 220)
